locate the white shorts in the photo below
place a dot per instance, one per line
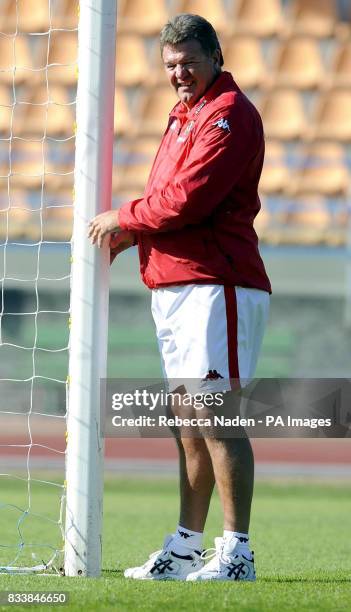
(209, 332)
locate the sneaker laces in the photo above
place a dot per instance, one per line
(158, 552)
(218, 556)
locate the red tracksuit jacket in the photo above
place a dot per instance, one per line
(195, 221)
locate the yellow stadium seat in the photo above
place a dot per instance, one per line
(134, 172)
(28, 163)
(283, 115)
(258, 18)
(48, 114)
(134, 16)
(333, 116)
(15, 222)
(5, 149)
(299, 64)
(26, 16)
(314, 17)
(16, 65)
(59, 165)
(58, 219)
(277, 210)
(262, 220)
(154, 110)
(132, 66)
(6, 115)
(243, 58)
(309, 220)
(70, 14)
(323, 171)
(123, 119)
(213, 11)
(338, 229)
(341, 65)
(63, 49)
(275, 173)
(120, 197)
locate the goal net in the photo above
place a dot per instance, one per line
(39, 144)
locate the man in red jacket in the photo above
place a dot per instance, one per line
(210, 293)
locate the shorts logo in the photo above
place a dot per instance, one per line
(212, 375)
(223, 123)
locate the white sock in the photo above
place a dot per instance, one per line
(238, 541)
(185, 541)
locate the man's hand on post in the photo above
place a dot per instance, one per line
(103, 224)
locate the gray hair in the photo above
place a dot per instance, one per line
(186, 27)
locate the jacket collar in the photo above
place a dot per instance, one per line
(223, 83)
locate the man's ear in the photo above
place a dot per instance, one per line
(217, 58)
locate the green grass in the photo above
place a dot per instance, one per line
(300, 534)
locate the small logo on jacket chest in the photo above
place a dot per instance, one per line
(190, 126)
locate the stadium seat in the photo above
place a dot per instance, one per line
(283, 115)
(58, 223)
(40, 117)
(63, 49)
(323, 170)
(136, 17)
(309, 219)
(155, 107)
(243, 58)
(262, 220)
(27, 163)
(333, 116)
(258, 18)
(213, 11)
(5, 148)
(6, 102)
(337, 231)
(18, 199)
(275, 174)
(298, 64)
(132, 66)
(70, 14)
(277, 211)
(134, 172)
(123, 119)
(15, 222)
(26, 16)
(15, 53)
(120, 197)
(314, 17)
(341, 65)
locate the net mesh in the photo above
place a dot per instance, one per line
(38, 47)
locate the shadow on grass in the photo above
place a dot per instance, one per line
(273, 579)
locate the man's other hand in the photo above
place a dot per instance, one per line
(120, 242)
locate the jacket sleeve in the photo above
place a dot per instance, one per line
(224, 146)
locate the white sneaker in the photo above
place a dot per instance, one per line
(166, 565)
(224, 566)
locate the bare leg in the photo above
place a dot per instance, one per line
(196, 477)
(227, 461)
(196, 482)
(233, 464)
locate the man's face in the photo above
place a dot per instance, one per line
(190, 71)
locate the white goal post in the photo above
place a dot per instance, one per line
(90, 286)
